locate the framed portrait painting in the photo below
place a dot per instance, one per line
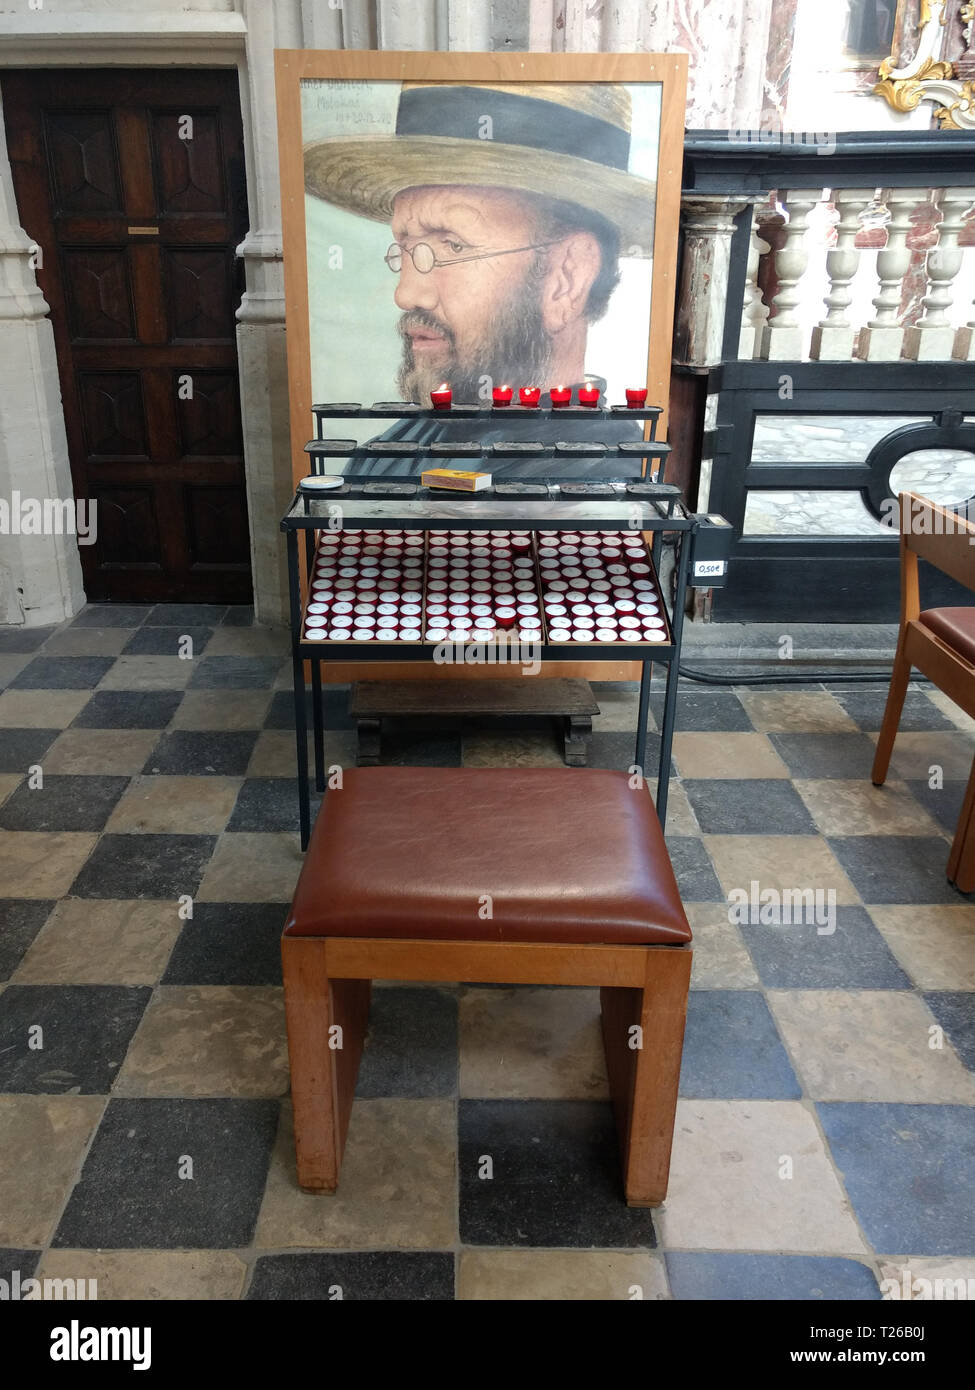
(479, 219)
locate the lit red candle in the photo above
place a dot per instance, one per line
(636, 396)
(561, 395)
(502, 395)
(589, 395)
(530, 395)
(441, 397)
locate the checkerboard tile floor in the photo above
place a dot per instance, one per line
(826, 1129)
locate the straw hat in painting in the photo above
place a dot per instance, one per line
(569, 142)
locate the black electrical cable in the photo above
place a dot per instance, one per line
(788, 678)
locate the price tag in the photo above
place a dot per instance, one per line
(707, 569)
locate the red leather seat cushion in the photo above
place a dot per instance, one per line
(956, 626)
(564, 855)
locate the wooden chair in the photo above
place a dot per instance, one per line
(508, 875)
(940, 642)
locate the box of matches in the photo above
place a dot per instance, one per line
(455, 479)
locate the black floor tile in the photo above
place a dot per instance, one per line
(112, 615)
(66, 1038)
(617, 752)
(866, 707)
(897, 868)
(63, 803)
(144, 866)
(704, 711)
(176, 614)
(942, 803)
(20, 921)
(14, 1262)
(908, 1171)
(193, 753)
(229, 944)
(239, 615)
(335, 708)
(696, 879)
(168, 641)
(23, 639)
(807, 955)
(555, 1177)
(825, 755)
(129, 709)
(757, 1278)
(406, 746)
(766, 806)
(135, 1190)
(63, 673)
(235, 673)
(732, 1050)
(372, 1274)
(266, 803)
(411, 1045)
(19, 748)
(955, 1011)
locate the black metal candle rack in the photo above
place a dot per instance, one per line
(549, 503)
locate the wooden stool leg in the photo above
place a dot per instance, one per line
(900, 676)
(644, 1079)
(326, 1029)
(961, 860)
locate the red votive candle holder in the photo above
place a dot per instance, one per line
(561, 395)
(589, 395)
(636, 396)
(501, 395)
(442, 397)
(530, 395)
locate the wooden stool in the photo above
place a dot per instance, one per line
(503, 875)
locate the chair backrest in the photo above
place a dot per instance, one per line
(944, 538)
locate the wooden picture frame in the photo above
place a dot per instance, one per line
(296, 69)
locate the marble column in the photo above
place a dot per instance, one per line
(708, 224)
(40, 576)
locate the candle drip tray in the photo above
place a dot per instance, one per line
(389, 489)
(587, 490)
(512, 449)
(331, 448)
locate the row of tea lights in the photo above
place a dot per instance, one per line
(598, 586)
(531, 396)
(478, 582)
(366, 586)
(462, 586)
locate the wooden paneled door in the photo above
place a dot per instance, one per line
(131, 182)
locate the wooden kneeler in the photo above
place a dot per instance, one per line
(400, 906)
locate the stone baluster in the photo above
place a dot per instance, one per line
(834, 337)
(883, 337)
(782, 336)
(754, 310)
(932, 338)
